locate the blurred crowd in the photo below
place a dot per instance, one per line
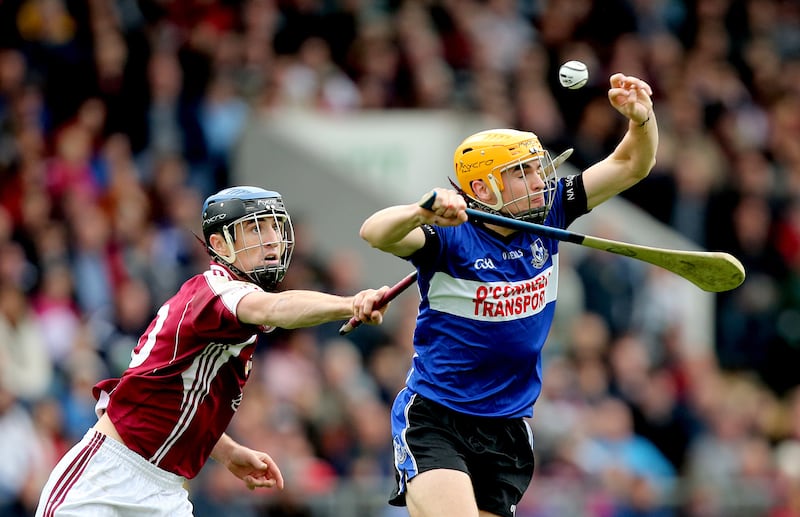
(117, 118)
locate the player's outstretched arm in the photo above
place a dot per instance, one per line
(257, 469)
(396, 229)
(635, 156)
(299, 308)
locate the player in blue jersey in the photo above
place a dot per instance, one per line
(462, 445)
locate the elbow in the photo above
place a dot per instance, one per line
(367, 235)
(644, 171)
(367, 231)
(363, 232)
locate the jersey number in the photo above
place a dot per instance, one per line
(137, 358)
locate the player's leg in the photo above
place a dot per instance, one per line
(500, 462)
(451, 464)
(101, 477)
(441, 493)
(429, 457)
(67, 474)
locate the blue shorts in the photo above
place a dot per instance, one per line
(496, 453)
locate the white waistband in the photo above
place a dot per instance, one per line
(136, 461)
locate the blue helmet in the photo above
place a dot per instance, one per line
(230, 207)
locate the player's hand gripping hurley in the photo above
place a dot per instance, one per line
(711, 271)
(390, 295)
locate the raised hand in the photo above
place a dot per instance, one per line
(631, 96)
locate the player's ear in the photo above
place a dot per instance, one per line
(218, 244)
(482, 191)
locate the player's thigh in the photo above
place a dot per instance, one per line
(101, 477)
(441, 493)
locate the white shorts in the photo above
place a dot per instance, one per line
(101, 477)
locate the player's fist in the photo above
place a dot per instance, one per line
(443, 207)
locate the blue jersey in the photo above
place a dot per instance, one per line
(487, 304)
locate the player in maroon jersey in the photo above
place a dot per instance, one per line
(161, 421)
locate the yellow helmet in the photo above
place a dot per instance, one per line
(487, 154)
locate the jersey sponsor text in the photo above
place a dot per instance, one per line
(492, 301)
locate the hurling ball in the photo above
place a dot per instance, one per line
(573, 75)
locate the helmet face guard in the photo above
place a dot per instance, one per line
(488, 154)
(531, 206)
(237, 210)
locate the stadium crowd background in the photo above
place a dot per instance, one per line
(118, 117)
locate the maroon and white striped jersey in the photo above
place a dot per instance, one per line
(185, 379)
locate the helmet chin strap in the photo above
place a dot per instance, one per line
(230, 259)
(236, 270)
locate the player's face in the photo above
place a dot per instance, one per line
(259, 242)
(523, 187)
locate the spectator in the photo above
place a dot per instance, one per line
(26, 369)
(634, 471)
(21, 472)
